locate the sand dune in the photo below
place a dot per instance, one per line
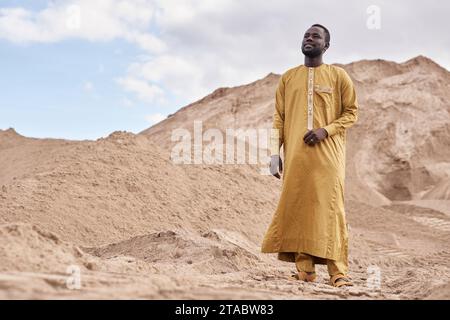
(136, 225)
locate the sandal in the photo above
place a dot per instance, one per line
(304, 276)
(340, 280)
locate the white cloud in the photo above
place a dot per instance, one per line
(148, 42)
(155, 118)
(183, 75)
(192, 47)
(88, 86)
(100, 20)
(145, 91)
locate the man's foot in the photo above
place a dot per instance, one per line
(305, 276)
(340, 280)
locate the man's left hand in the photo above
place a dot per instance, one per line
(313, 137)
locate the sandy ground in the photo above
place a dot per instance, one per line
(116, 218)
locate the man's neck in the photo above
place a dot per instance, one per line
(313, 62)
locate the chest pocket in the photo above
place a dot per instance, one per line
(324, 96)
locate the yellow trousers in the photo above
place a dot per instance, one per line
(307, 263)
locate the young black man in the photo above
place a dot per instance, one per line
(314, 105)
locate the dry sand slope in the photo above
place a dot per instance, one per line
(133, 224)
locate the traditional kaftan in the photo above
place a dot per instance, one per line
(310, 216)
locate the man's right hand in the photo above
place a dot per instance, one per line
(276, 166)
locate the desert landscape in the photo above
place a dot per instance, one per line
(116, 218)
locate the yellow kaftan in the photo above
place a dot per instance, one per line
(310, 216)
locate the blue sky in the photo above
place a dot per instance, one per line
(68, 89)
(127, 64)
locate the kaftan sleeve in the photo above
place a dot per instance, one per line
(277, 132)
(349, 103)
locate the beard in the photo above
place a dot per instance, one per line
(312, 53)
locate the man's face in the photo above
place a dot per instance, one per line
(313, 44)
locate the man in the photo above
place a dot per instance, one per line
(315, 104)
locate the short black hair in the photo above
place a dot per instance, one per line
(327, 33)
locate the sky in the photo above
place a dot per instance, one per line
(81, 69)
